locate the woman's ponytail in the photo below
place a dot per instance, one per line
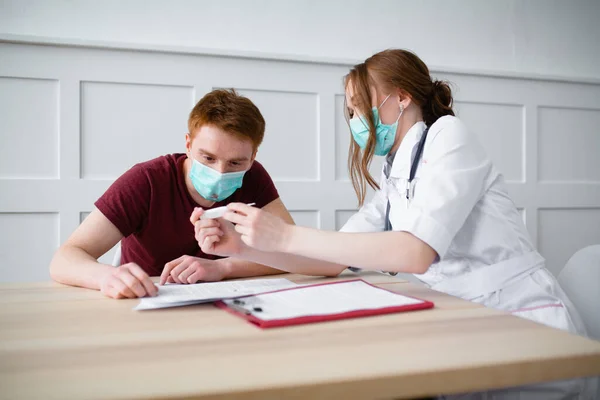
(439, 102)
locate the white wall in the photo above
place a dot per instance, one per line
(72, 119)
(551, 37)
(63, 107)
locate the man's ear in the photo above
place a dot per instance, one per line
(188, 144)
(253, 156)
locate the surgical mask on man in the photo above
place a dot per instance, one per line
(213, 185)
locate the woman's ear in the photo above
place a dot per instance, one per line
(404, 99)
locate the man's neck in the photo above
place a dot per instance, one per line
(201, 201)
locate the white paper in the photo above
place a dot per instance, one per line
(320, 300)
(175, 295)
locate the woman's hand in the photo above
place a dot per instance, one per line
(259, 229)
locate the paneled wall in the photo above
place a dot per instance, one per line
(72, 119)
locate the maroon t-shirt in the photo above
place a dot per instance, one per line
(151, 206)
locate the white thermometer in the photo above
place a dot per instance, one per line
(217, 212)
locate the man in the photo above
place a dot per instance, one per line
(148, 208)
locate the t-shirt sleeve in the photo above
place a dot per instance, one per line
(126, 202)
(265, 191)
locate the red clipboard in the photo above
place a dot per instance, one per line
(243, 307)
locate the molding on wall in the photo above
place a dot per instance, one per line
(169, 49)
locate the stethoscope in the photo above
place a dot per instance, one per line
(415, 165)
(411, 177)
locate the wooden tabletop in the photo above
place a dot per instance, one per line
(70, 343)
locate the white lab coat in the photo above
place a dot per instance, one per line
(460, 207)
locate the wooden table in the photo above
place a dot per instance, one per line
(70, 343)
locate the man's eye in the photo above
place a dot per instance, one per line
(235, 163)
(207, 158)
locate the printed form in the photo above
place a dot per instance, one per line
(174, 295)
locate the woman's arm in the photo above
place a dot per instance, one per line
(388, 251)
(218, 236)
(241, 268)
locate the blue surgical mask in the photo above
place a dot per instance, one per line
(384, 134)
(213, 185)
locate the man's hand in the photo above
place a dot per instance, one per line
(188, 269)
(216, 236)
(128, 281)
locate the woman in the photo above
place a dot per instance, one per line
(441, 210)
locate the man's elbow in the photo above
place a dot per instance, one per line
(55, 268)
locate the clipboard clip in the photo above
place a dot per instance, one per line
(238, 305)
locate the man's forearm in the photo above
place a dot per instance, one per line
(73, 266)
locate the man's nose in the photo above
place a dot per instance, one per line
(221, 167)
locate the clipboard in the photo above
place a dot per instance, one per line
(319, 303)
